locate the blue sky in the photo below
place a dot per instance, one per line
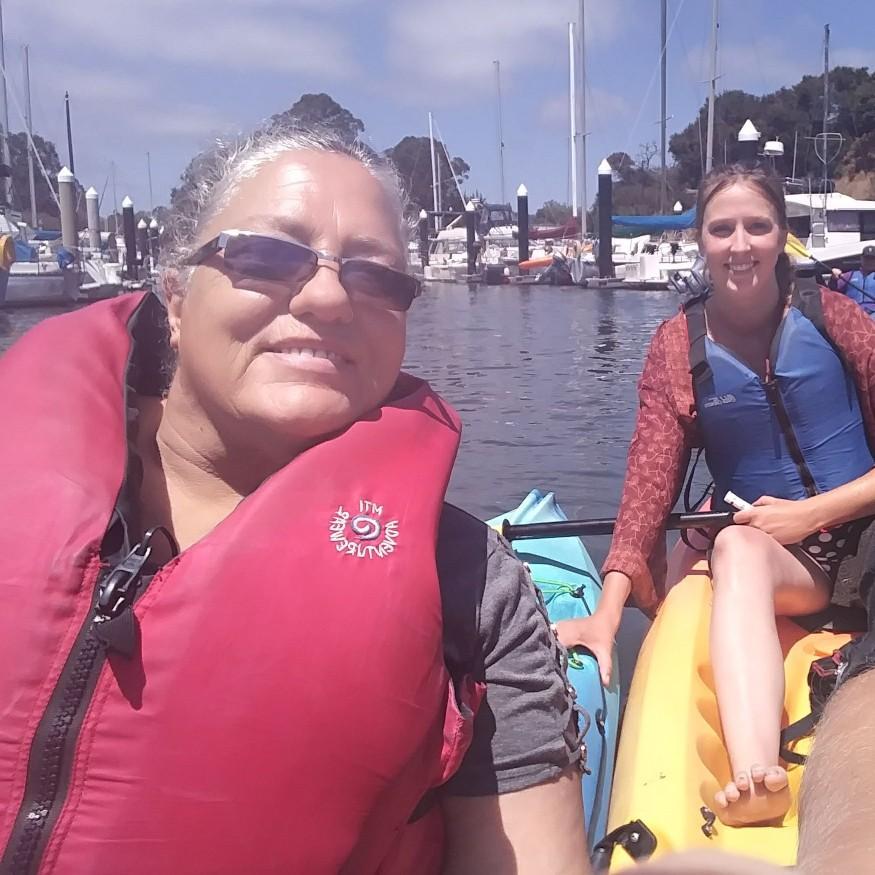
(165, 76)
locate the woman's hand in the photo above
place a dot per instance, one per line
(788, 522)
(596, 633)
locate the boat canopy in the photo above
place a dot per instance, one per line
(24, 252)
(655, 224)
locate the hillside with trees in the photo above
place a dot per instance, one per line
(793, 115)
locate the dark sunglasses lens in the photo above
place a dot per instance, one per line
(378, 284)
(269, 259)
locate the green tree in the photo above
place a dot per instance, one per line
(310, 110)
(552, 213)
(412, 159)
(47, 209)
(792, 113)
(321, 111)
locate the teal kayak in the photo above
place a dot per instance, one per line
(571, 587)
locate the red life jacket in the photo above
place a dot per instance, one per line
(286, 706)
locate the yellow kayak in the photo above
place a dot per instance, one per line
(671, 757)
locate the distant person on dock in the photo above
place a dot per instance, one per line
(776, 380)
(858, 285)
(241, 630)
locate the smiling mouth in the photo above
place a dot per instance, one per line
(745, 267)
(308, 358)
(308, 352)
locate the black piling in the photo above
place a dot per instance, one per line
(143, 243)
(423, 238)
(522, 210)
(470, 238)
(606, 207)
(748, 144)
(129, 231)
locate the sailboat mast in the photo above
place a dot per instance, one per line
(581, 102)
(573, 115)
(29, 122)
(709, 148)
(663, 186)
(434, 183)
(500, 130)
(825, 106)
(114, 203)
(69, 131)
(4, 120)
(149, 176)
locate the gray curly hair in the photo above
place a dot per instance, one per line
(218, 171)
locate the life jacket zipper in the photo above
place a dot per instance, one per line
(54, 743)
(773, 393)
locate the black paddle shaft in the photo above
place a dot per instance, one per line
(580, 528)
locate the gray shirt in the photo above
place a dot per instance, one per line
(496, 628)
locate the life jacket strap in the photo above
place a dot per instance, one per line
(697, 331)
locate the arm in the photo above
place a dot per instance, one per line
(515, 804)
(789, 522)
(658, 457)
(536, 831)
(838, 281)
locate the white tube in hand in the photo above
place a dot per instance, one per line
(738, 503)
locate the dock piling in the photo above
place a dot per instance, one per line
(67, 198)
(522, 209)
(423, 238)
(606, 243)
(470, 239)
(92, 211)
(129, 231)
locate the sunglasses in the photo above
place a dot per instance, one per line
(275, 260)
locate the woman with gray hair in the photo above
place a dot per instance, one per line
(240, 628)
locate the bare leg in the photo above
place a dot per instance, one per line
(836, 808)
(754, 578)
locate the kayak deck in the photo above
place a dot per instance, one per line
(571, 587)
(672, 758)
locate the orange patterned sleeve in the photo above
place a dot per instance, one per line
(657, 462)
(852, 330)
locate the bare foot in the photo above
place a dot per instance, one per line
(756, 797)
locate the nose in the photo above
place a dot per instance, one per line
(323, 297)
(740, 241)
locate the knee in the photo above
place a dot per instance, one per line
(739, 556)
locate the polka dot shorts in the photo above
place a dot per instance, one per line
(829, 548)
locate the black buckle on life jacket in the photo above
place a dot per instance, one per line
(700, 370)
(119, 587)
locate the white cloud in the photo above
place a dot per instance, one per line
(758, 66)
(847, 56)
(452, 45)
(284, 39)
(187, 121)
(602, 106)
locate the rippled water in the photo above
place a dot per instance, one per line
(544, 379)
